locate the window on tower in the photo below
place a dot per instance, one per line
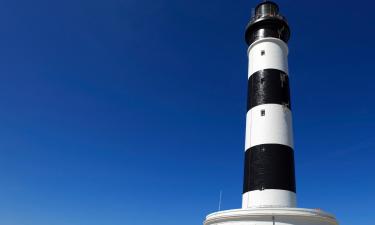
(262, 52)
(262, 112)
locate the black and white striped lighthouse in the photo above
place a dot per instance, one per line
(269, 188)
(269, 179)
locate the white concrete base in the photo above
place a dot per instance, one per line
(270, 216)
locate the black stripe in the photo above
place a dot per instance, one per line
(275, 27)
(269, 166)
(268, 86)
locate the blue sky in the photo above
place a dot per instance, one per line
(133, 111)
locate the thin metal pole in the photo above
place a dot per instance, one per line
(221, 193)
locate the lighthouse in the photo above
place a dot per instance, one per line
(269, 185)
(269, 154)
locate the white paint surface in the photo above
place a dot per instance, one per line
(275, 127)
(268, 198)
(275, 55)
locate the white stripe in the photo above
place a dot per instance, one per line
(275, 55)
(275, 127)
(269, 198)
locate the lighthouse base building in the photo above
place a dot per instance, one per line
(270, 216)
(269, 187)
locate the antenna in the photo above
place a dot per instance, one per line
(221, 193)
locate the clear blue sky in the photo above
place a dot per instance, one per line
(132, 112)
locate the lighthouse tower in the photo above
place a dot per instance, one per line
(269, 156)
(269, 188)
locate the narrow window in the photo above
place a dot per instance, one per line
(262, 52)
(262, 112)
